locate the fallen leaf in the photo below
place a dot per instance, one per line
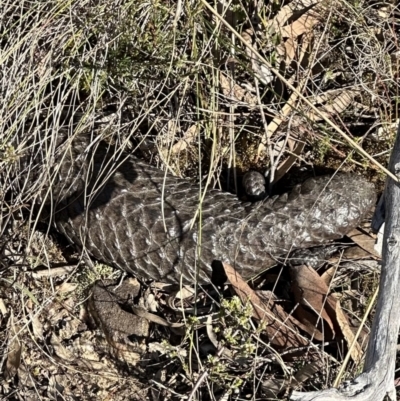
(351, 253)
(188, 137)
(364, 241)
(328, 275)
(37, 326)
(311, 291)
(60, 350)
(67, 287)
(280, 327)
(287, 12)
(356, 352)
(235, 92)
(304, 24)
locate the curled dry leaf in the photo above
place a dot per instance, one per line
(183, 300)
(280, 326)
(188, 137)
(211, 333)
(287, 50)
(310, 291)
(185, 292)
(223, 351)
(151, 317)
(67, 287)
(60, 350)
(355, 350)
(235, 92)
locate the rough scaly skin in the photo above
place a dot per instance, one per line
(134, 217)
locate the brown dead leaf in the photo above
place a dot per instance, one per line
(188, 137)
(351, 253)
(294, 47)
(290, 50)
(354, 348)
(287, 12)
(67, 287)
(310, 322)
(234, 91)
(281, 17)
(364, 241)
(328, 275)
(280, 327)
(304, 24)
(60, 350)
(311, 291)
(37, 326)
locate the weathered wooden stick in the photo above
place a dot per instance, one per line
(377, 379)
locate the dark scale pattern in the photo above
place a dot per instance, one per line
(132, 216)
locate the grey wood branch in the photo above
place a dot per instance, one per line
(377, 379)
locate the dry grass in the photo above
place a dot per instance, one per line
(168, 80)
